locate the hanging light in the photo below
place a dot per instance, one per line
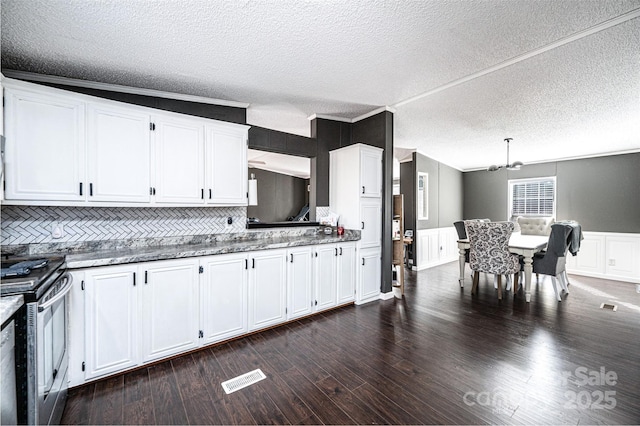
(509, 166)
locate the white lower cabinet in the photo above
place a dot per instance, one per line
(347, 273)
(326, 285)
(369, 280)
(111, 319)
(267, 288)
(124, 316)
(223, 301)
(299, 282)
(170, 319)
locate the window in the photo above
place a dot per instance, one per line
(532, 197)
(423, 196)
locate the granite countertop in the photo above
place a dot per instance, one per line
(97, 257)
(9, 305)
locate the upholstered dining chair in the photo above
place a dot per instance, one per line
(552, 261)
(535, 225)
(489, 251)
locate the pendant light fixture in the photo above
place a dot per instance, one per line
(509, 166)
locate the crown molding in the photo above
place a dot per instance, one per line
(353, 120)
(52, 79)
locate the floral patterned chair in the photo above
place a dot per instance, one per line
(489, 251)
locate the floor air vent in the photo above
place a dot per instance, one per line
(247, 379)
(609, 307)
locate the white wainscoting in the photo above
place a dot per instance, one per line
(614, 256)
(435, 247)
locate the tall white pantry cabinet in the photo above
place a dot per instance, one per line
(355, 193)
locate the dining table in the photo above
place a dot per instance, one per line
(524, 245)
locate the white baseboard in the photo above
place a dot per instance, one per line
(386, 296)
(604, 276)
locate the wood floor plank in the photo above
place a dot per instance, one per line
(357, 409)
(79, 404)
(138, 403)
(167, 401)
(108, 401)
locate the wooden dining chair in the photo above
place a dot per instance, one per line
(489, 251)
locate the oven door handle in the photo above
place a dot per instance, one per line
(63, 292)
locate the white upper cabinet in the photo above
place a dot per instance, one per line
(179, 160)
(44, 146)
(65, 148)
(117, 154)
(371, 172)
(226, 166)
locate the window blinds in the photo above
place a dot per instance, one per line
(535, 197)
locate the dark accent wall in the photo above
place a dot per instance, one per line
(602, 193)
(279, 196)
(280, 142)
(216, 112)
(445, 194)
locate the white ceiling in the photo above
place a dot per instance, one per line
(562, 78)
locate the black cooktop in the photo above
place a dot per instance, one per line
(21, 275)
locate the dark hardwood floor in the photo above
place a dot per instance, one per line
(438, 356)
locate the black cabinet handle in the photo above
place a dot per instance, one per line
(209, 193)
(134, 279)
(363, 189)
(246, 264)
(336, 249)
(291, 254)
(146, 281)
(80, 188)
(362, 225)
(363, 261)
(91, 189)
(202, 193)
(154, 190)
(340, 251)
(253, 263)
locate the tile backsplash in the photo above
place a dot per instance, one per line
(34, 225)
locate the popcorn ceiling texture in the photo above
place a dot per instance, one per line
(32, 225)
(291, 59)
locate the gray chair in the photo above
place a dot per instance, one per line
(552, 261)
(489, 251)
(462, 235)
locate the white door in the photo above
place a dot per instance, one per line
(299, 282)
(118, 154)
(267, 288)
(370, 279)
(226, 166)
(224, 296)
(371, 173)
(179, 165)
(325, 276)
(371, 223)
(170, 315)
(111, 315)
(346, 272)
(44, 147)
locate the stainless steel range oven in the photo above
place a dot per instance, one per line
(41, 336)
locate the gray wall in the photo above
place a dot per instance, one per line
(445, 192)
(601, 193)
(279, 196)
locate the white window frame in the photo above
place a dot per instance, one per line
(513, 182)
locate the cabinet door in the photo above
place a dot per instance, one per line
(118, 154)
(267, 289)
(226, 152)
(169, 308)
(346, 272)
(224, 297)
(370, 280)
(299, 282)
(371, 224)
(111, 315)
(371, 173)
(325, 276)
(179, 165)
(44, 147)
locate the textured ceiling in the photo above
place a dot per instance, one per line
(461, 75)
